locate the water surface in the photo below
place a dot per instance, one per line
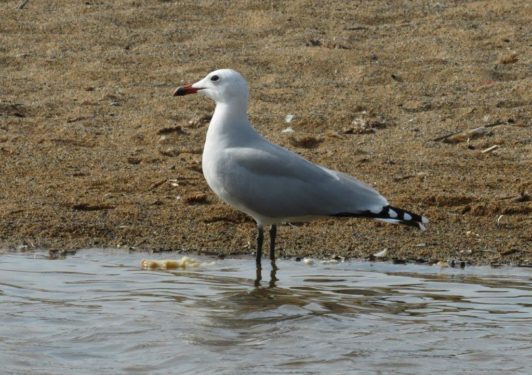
(98, 312)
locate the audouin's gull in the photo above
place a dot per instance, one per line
(272, 184)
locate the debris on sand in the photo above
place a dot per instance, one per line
(22, 4)
(508, 58)
(288, 119)
(469, 134)
(171, 130)
(169, 264)
(195, 198)
(420, 175)
(365, 124)
(490, 149)
(133, 160)
(288, 130)
(156, 184)
(522, 197)
(464, 135)
(170, 151)
(92, 207)
(199, 120)
(313, 43)
(416, 106)
(381, 254)
(305, 141)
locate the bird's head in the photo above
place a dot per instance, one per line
(222, 86)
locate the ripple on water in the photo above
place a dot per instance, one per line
(97, 311)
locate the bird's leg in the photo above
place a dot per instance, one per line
(273, 234)
(260, 240)
(259, 277)
(273, 274)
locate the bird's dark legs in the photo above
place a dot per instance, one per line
(258, 277)
(260, 240)
(273, 274)
(273, 233)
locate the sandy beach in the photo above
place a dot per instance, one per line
(429, 102)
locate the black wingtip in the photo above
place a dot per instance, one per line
(391, 215)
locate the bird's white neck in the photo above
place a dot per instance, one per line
(229, 123)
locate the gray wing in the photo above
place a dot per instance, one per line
(277, 183)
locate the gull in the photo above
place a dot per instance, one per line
(270, 183)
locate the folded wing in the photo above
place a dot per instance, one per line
(277, 183)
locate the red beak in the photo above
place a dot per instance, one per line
(185, 90)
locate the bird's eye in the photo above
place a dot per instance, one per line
(215, 78)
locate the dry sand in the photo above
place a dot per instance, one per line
(94, 150)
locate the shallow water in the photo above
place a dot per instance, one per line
(98, 312)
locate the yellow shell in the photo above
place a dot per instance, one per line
(168, 264)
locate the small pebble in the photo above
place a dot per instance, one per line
(287, 130)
